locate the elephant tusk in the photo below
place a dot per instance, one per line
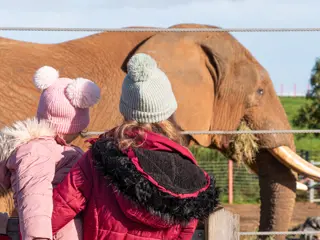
(301, 186)
(293, 161)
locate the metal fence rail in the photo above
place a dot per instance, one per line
(278, 233)
(224, 225)
(199, 132)
(240, 174)
(150, 29)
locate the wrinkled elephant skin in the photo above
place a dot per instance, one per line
(217, 83)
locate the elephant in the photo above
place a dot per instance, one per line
(216, 80)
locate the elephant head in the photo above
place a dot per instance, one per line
(219, 85)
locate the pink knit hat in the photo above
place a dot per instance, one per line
(65, 102)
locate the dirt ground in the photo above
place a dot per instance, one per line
(250, 213)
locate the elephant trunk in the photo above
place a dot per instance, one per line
(278, 192)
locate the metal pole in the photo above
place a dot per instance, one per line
(311, 192)
(230, 181)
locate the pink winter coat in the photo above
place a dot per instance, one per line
(153, 192)
(33, 160)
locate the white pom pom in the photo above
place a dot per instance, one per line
(45, 77)
(140, 67)
(83, 93)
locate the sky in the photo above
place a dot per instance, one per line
(288, 56)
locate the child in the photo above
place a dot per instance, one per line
(137, 181)
(36, 153)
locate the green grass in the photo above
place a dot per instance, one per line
(291, 106)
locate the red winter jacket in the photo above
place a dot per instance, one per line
(156, 191)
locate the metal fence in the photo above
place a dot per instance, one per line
(147, 29)
(245, 185)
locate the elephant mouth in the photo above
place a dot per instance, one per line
(242, 148)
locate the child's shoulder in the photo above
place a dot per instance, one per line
(39, 146)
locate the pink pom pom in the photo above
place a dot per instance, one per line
(83, 93)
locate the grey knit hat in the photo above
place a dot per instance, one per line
(147, 95)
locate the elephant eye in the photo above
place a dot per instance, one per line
(260, 91)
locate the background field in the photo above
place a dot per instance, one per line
(291, 106)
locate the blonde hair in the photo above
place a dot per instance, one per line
(168, 128)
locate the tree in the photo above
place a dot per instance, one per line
(309, 114)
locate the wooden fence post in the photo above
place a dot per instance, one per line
(222, 225)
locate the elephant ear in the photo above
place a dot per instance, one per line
(185, 64)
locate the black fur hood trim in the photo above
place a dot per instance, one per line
(120, 171)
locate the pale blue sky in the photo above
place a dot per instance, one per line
(289, 56)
